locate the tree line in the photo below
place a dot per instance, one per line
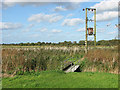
(69, 43)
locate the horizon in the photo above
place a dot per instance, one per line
(57, 42)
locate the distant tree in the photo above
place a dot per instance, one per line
(21, 44)
(28, 44)
(69, 43)
(43, 43)
(32, 44)
(74, 43)
(81, 42)
(38, 43)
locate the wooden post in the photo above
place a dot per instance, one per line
(86, 46)
(95, 27)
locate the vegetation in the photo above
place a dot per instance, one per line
(58, 79)
(40, 67)
(102, 60)
(21, 60)
(113, 42)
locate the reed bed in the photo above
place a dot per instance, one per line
(35, 59)
(101, 60)
(22, 60)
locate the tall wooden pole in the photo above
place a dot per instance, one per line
(86, 46)
(95, 27)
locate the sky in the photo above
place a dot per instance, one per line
(56, 21)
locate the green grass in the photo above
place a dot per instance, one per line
(58, 79)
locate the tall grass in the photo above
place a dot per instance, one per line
(102, 60)
(21, 60)
(35, 59)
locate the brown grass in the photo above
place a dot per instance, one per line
(102, 60)
(21, 60)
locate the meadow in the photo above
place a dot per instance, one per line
(23, 63)
(58, 79)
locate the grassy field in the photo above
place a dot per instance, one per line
(58, 79)
(39, 67)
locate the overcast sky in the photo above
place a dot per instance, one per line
(56, 21)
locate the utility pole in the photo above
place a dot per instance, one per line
(89, 31)
(86, 20)
(95, 27)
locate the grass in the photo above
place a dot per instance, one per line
(33, 65)
(58, 79)
(20, 60)
(103, 60)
